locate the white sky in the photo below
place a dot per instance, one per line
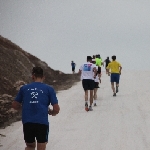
(58, 31)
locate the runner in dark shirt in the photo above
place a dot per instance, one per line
(73, 65)
(106, 61)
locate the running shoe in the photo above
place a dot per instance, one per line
(90, 108)
(95, 104)
(114, 94)
(86, 107)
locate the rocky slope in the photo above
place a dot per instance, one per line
(15, 71)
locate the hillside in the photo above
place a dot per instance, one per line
(15, 70)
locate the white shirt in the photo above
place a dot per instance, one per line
(94, 72)
(96, 79)
(87, 71)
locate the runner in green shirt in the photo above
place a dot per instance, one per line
(99, 63)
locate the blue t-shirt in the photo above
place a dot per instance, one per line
(73, 65)
(35, 98)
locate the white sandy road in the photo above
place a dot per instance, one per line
(117, 123)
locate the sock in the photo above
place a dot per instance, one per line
(94, 101)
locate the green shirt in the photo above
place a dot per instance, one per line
(98, 62)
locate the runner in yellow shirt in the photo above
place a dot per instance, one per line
(115, 68)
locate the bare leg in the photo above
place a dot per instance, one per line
(86, 100)
(112, 86)
(30, 146)
(95, 96)
(95, 93)
(41, 146)
(86, 95)
(99, 75)
(91, 97)
(117, 87)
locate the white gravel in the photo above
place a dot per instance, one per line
(117, 123)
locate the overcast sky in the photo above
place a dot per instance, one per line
(58, 31)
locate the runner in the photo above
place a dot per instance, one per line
(86, 71)
(34, 99)
(99, 63)
(107, 61)
(96, 84)
(94, 57)
(73, 65)
(115, 68)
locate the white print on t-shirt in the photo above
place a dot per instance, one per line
(35, 90)
(34, 102)
(34, 93)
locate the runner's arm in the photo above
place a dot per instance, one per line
(54, 102)
(120, 68)
(79, 72)
(16, 105)
(95, 71)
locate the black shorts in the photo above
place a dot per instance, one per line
(73, 68)
(35, 130)
(99, 70)
(96, 85)
(88, 84)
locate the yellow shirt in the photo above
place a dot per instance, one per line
(114, 66)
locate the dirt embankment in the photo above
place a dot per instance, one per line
(15, 71)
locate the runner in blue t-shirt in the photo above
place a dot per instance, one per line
(73, 65)
(34, 99)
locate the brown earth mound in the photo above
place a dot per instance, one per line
(15, 71)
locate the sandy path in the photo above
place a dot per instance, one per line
(117, 123)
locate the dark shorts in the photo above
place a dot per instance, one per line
(73, 68)
(88, 84)
(96, 85)
(115, 77)
(99, 70)
(35, 130)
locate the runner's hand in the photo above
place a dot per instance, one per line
(51, 112)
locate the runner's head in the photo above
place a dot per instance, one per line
(108, 58)
(89, 58)
(93, 61)
(37, 72)
(113, 57)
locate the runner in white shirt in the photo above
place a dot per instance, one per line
(86, 71)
